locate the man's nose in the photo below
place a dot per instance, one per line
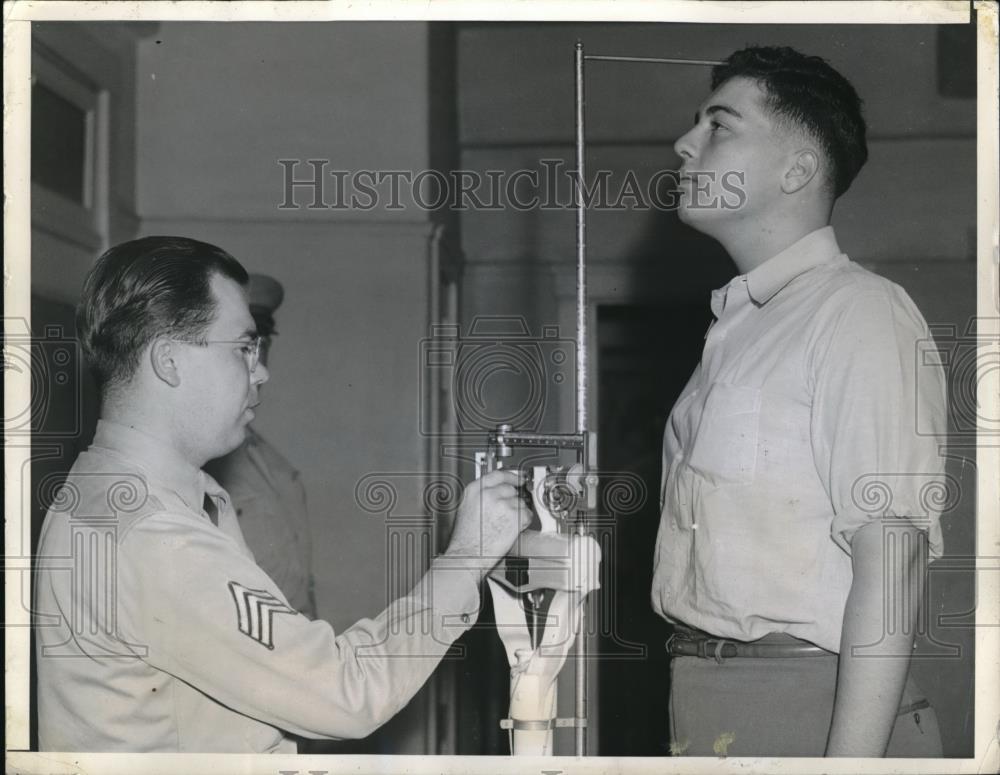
(260, 374)
(684, 145)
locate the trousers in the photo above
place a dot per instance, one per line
(776, 707)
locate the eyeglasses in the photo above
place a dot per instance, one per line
(250, 349)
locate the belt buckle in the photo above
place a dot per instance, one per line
(676, 635)
(705, 648)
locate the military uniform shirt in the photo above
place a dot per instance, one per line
(809, 415)
(156, 631)
(270, 502)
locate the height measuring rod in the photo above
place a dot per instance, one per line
(580, 657)
(581, 211)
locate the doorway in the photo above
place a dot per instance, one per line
(645, 356)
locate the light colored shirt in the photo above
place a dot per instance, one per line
(270, 502)
(799, 426)
(156, 631)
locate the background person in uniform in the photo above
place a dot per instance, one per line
(265, 489)
(795, 625)
(179, 641)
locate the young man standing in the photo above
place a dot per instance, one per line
(793, 628)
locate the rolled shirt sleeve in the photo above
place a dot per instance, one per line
(228, 631)
(870, 388)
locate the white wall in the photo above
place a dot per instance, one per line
(219, 104)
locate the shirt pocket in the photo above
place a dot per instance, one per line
(725, 445)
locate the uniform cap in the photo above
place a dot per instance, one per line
(265, 295)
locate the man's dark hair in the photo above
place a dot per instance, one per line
(808, 92)
(143, 289)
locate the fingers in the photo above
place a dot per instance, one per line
(502, 477)
(525, 516)
(498, 484)
(512, 506)
(499, 498)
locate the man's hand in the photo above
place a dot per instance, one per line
(490, 518)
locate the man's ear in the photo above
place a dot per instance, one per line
(163, 358)
(804, 166)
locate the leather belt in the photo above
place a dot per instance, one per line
(694, 643)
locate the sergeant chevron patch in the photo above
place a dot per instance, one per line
(255, 608)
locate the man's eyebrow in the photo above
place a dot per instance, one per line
(250, 333)
(711, 110)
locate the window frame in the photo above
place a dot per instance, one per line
(83, 223)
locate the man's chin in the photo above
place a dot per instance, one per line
(707, 220)
(693, 216)
(238, 437)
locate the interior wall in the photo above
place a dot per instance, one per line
(221, 104)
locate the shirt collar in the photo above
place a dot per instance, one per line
(156, 457)
(816, 248)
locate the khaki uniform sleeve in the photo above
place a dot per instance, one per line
(212, 618)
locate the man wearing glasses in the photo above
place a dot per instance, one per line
(162, 633)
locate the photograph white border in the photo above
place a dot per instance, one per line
(17, 284)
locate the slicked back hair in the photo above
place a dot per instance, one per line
(142, 289)
(808, 93)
